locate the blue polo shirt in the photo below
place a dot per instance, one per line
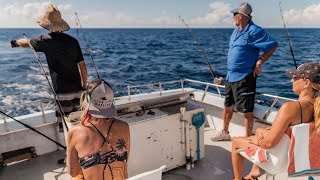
(244, 48)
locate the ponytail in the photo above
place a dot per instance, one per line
(317, 114)
(316, 88)
(84, 107)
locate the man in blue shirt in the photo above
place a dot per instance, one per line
(244, 65)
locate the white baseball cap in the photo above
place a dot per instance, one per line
(101, 99)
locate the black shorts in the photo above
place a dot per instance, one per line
(69, 102)
(241, 94)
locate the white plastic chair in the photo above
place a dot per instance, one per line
(149, 175)
(278, 158)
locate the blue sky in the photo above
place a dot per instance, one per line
(161, 13)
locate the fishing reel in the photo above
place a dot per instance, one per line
(218, 80)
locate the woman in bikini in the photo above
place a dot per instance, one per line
(98, 148)
(306, 83)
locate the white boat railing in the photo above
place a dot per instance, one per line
(4, 108)
(160, 85)
(207, 85)
(154, 84)
(182, 81)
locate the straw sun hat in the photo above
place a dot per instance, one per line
(51, 20)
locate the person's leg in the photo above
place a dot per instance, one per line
(227, 116)
(237, 159)
(255, 170)
(59, 116)
(244, 98)
(69, 102)
(228, 106)
(248, 123)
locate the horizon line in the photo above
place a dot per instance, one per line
(73, 28)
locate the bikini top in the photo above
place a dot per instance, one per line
(103, 157)
(301, 110)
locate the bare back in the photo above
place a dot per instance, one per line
(108, 139)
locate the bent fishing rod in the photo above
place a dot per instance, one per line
(61, 112)
(288, 36)
(33, 129)
(216, 79)
(88, 47)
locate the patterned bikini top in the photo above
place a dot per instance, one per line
(103, 158)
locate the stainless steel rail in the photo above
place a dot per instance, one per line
(160, 85)
(4, 108)
(207, 85)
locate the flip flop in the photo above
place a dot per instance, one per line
(251, 178)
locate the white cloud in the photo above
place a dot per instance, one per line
(19, 15)
(108, 20)
(306, 17)
(219, 16)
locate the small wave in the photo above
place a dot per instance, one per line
(95, 51)
(197, 61)
(155, 44)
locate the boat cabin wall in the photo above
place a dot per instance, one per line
(20, 137)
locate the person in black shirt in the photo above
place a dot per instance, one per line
(65, 60)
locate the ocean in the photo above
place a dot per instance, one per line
(138, 56)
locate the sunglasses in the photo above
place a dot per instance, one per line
(296, 78)
(234, 14)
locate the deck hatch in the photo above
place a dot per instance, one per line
(17, 155)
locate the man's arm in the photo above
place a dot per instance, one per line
(24, 42)
(265, 56)
(83, 73)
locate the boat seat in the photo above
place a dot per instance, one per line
(295, 154)
(149, 175)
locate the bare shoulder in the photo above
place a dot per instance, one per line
(291, 109)
(79, 130)
(73, 130)
(289, 106)
(78, 127)
(121, 124)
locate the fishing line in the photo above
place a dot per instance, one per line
(213, 74)
(33, 129)
(51, 87)
(288, 36)
(88, 47)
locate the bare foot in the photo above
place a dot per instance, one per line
(252, 175)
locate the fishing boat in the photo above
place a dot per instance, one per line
(170, 130)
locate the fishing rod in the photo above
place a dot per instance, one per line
(288, 36)
(61, 112)
(216, 79)
(88, 47)
(33, 129)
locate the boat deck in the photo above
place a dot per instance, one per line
(215, 166)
